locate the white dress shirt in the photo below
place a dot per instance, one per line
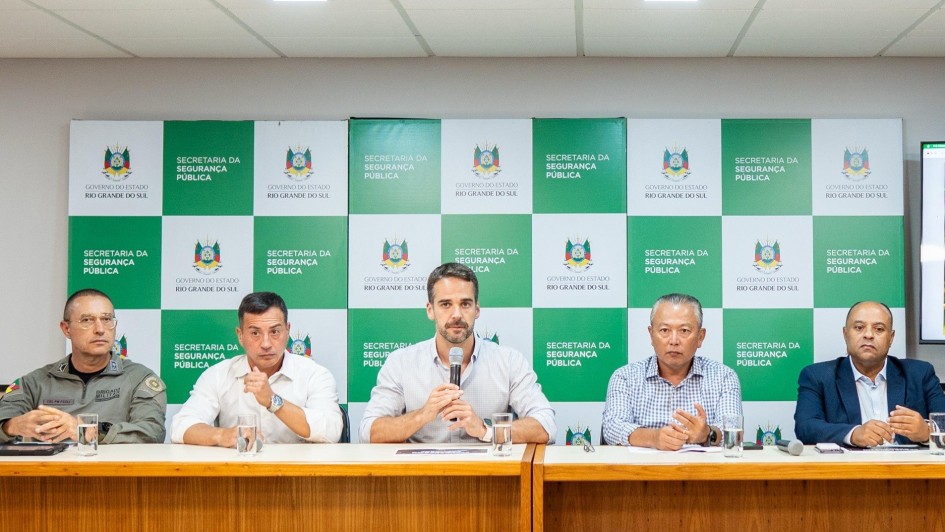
(872, 397)
(218, 398)
(497, 379)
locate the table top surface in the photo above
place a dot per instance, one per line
(624, 463)
(277, 459)
(625, 455)
(556, 463)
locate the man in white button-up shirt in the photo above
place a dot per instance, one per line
(414, 400)
(295, 398)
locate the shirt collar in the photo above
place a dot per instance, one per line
(652, 368)
(857, 375)
(241, 367)
(115, 366)
(436, 356)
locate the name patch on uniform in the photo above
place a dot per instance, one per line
(107, 395)
(55, 401)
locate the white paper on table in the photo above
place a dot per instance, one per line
(685, 449)
(699, 449)
(642, 450)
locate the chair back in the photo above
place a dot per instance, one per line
(345, 426)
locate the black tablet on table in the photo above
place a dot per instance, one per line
(32, 449)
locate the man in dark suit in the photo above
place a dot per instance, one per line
(867, 398)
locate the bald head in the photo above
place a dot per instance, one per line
(879, 303)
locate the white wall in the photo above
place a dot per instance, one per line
(39, 97)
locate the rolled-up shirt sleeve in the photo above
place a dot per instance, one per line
(321, 407)
(730, 401)
(203, 405)
(619, 411)
(16, 403)
(387, 396)
(526, 398)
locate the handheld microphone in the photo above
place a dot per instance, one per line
(456, 367)
(456, 364)
(792, 447)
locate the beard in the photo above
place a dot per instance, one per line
(456, 338)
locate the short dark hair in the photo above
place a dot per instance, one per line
(259, 302)
(676, 300)
(452, 269)
(67, 309)
(878, 303)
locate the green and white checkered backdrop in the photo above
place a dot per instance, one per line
(574, 227)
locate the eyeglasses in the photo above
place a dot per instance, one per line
(87, 322)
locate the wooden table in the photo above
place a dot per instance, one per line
(285, 487)
(616, 489)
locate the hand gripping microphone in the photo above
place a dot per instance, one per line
(792, 447)
(456, 367)
(456, 364)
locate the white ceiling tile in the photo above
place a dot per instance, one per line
(193, 48)
(926, 40)
(157, 24)
(667, 46)
(700, 5)
(122, 5)
(36, 25)
(934, 25)
(676, 32)
(832, 22)
(349, 47)
(14, 5)
(847, 5)
(471, 25)
(334, 5)
(488, 28)
(800, 47)
(634, 26)
(918, 47)
(85, 47)
(522, 47)
(488, 6)
(314, 23)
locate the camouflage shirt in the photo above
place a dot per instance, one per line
(126, 395)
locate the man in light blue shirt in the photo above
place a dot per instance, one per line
(674, 397)
(414, 400)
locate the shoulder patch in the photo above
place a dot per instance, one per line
(154, 383)
(13, 388)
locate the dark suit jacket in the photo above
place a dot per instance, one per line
(828, 407)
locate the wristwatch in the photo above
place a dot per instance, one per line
(103, 428)
(713, 439)
(277, 403)
(487, 437)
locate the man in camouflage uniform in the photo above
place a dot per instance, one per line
(130, 400)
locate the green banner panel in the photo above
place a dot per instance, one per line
(372, 335)
(674, 254)
(394, 166)
(858, 258)
(191, 342)
(208, 168)
(767, 348)
(499, 249)
(766, 167)
(303, 259)
(580, 165)
(577, 350)
(119, 255)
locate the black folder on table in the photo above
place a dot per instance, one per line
(32, 449)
